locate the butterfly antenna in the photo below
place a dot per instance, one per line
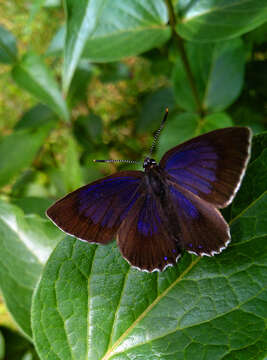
(157, 133)
(119, 161)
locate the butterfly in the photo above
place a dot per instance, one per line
(169, 207)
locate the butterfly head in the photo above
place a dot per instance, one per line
(149, 163)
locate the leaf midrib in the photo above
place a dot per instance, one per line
(151, 306)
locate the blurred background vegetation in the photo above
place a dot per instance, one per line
(114, 109)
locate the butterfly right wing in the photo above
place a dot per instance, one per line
(212, 165)
(95, 211)
(202, 229)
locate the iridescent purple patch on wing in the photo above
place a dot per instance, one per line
(149, 218)
(119, 191)
(182, 203)
(194, 168)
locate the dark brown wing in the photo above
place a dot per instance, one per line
(144, 239)
(95, 211)
(211, 165)
(202, 228)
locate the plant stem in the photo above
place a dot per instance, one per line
(180, 44)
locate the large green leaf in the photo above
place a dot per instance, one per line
(82, 17)
(128, 28)
(218, 71)
(207, 20)
(90, 304)
(8, 47)
(108, 30)
(18, 150)
(26, 242)
(32, 74)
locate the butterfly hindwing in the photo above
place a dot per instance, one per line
(212, 165)
(94, 212)
(202, 228)
(143, 237)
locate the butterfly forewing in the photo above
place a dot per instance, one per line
(210, 166)
(95, 211)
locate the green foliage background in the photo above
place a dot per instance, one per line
(90, 79)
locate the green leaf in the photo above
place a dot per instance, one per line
(35, 117)
(128, 28)
(218, 71)
(182, 127)
(32, 74)
(26, 243)
(254, 183)
(2, 346)
(88, 131)
(103, 31)
(8, 47)
(18, 150)
(209, 20)
(82, 18)
(214, 121)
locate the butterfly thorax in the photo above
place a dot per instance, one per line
(154, 177)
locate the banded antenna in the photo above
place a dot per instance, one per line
(152, 149)
(113, 161)
(157, 133)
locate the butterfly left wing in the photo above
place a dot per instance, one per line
(212, 165)
(143, 237)
(95, 211)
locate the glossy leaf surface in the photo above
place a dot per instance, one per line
(32, 74)
(207, 20)
(82, 17)
(128, 28)
(26, 243)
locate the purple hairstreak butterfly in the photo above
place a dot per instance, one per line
(169, 207)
